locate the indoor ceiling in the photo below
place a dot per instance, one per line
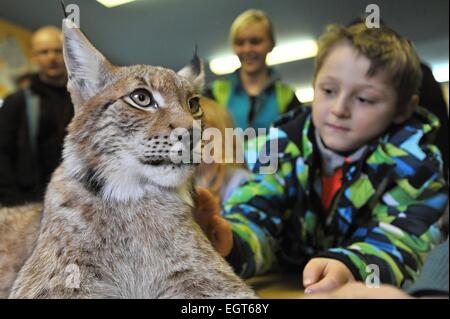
(164, 32)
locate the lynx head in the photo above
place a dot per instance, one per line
(131, 123)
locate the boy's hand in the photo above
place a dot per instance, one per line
(215, 227)
(325, 274)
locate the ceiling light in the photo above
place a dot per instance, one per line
(440, 72)
(305, 95)
(292, 52)
(224, 65)
(114, 3)
(280, 54)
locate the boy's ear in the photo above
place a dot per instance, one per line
(87, 68)
(407, 110)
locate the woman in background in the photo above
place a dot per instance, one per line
(254, 93)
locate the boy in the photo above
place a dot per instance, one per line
(358, 186)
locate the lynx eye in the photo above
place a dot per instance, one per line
(141, 98)
(194, 105)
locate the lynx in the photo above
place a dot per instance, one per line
(117, 218)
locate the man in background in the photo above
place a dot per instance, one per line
(33, 124)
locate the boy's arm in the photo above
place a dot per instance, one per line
(256, 211)
(400, 233)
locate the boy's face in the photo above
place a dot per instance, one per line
(252, 44)
(350, 108)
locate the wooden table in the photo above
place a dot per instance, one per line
(277, 285)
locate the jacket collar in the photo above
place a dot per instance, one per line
(331, 160)
(236, 82)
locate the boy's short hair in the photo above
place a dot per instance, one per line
(387, 51)
(249, 17)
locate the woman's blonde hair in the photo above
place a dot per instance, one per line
(250, 17)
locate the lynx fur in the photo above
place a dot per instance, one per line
(19, 228)
(117, 220)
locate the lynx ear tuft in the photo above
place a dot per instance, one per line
(87, 68)
(194, 72)
(63, 5)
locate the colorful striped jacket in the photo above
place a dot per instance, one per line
(385, 213)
